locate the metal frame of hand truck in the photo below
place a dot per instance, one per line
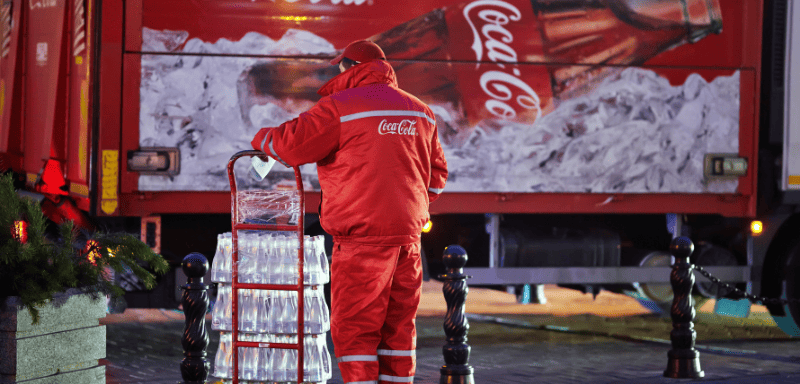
(235, 285)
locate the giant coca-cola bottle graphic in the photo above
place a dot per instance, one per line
(486, 62)
(489, 61)
(273, 80)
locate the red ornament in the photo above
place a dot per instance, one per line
(92, 251)
(20, 231)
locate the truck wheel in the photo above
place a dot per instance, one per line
(658, 297)
(789, 321)
(707, 254)
(426, 276)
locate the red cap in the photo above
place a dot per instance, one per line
(360, 51)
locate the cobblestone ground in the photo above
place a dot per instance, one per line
(574, 351)
(573, 338)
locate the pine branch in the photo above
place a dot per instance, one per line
(40, 268)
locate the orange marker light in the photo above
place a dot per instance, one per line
(427, 227)
(756, 227)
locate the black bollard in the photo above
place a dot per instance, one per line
(456, 352)
(684, 360)
(194, 366)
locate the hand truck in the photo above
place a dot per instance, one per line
(236, 226)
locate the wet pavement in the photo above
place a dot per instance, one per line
(573, 338)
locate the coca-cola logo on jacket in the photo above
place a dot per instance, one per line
(404, 127)
(506, 90)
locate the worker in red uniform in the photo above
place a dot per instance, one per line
(380, 165)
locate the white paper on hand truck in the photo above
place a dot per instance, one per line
(260, 168)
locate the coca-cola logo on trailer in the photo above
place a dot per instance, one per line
(488, 20)
(405, 127)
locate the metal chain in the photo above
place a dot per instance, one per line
(752, 298)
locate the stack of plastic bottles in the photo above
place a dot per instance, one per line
(271, 316)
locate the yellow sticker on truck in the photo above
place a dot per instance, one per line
(2, 96)
(109, 182)
(83, 126)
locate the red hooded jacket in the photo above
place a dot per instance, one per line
(377, 151)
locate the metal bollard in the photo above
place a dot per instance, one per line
(194, 366)
(684, 360)
(456, 352)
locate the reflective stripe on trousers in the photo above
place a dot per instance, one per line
(348, 358)
(396, 379)
(390, 352)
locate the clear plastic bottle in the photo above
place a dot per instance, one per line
(225, 274)
(263, 370)
(312, 364)
(254, 246)
(218, 313)
(241, 308)
(248, 248)
(277, 363)
(250, 370)
(313, 315)
(276, 311)
(312, 271)
(274, 266)
(325, 359)
(227, 314)
(247, 310)
(261, 260)
(326, 315)
(290, 261)
(317, 365)
(216, 264)
(262, 314)
(323, 259)
(222, 367)
(252, 315)
(291, 363)
(241, 361)
(229, 355)
(289, 313)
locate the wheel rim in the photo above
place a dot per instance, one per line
(658, 293)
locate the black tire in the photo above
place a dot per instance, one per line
(789, 320)
(425, 269)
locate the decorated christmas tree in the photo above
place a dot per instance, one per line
(35, 265)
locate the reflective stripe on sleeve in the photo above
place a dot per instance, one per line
(345, 359)
(263, 142)
(392, 352)
(275, 155)
(362, 382)
(436, 190)
(362, 115)
(396, 379)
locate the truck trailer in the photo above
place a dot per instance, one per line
(581, 136)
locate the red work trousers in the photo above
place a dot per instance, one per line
(375, 293)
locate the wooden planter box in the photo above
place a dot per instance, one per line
(63, 348)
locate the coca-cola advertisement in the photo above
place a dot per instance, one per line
(586, 96)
